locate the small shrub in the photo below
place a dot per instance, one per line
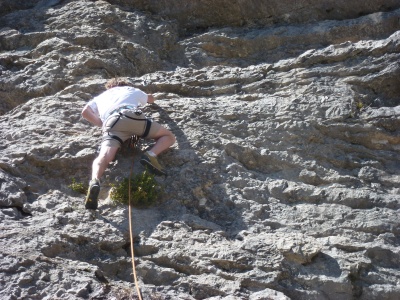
(145, 190)
(78, 187)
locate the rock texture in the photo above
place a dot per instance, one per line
(283, 183)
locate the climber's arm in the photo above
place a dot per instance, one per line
(91, 116)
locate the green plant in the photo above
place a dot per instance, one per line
(145, 190)
(78, 186)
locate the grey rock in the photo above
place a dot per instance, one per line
(284, 181)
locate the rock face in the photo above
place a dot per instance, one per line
(284, 182)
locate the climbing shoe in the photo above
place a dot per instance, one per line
(93, 194)
(152, 163)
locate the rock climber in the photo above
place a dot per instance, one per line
(117, 112)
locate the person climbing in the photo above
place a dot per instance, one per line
(117, 112)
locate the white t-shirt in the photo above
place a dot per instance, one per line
(115, 97)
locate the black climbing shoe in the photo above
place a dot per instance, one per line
(92, 195)
(152, 163)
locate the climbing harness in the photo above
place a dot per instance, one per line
(118, 112)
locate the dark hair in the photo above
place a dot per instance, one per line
(116, 82)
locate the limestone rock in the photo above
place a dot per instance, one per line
(283, 183)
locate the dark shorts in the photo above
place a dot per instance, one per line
(121, 126)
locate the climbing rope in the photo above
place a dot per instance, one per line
(131, 236)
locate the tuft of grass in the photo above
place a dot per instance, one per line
(78, 186)
(145, 190)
